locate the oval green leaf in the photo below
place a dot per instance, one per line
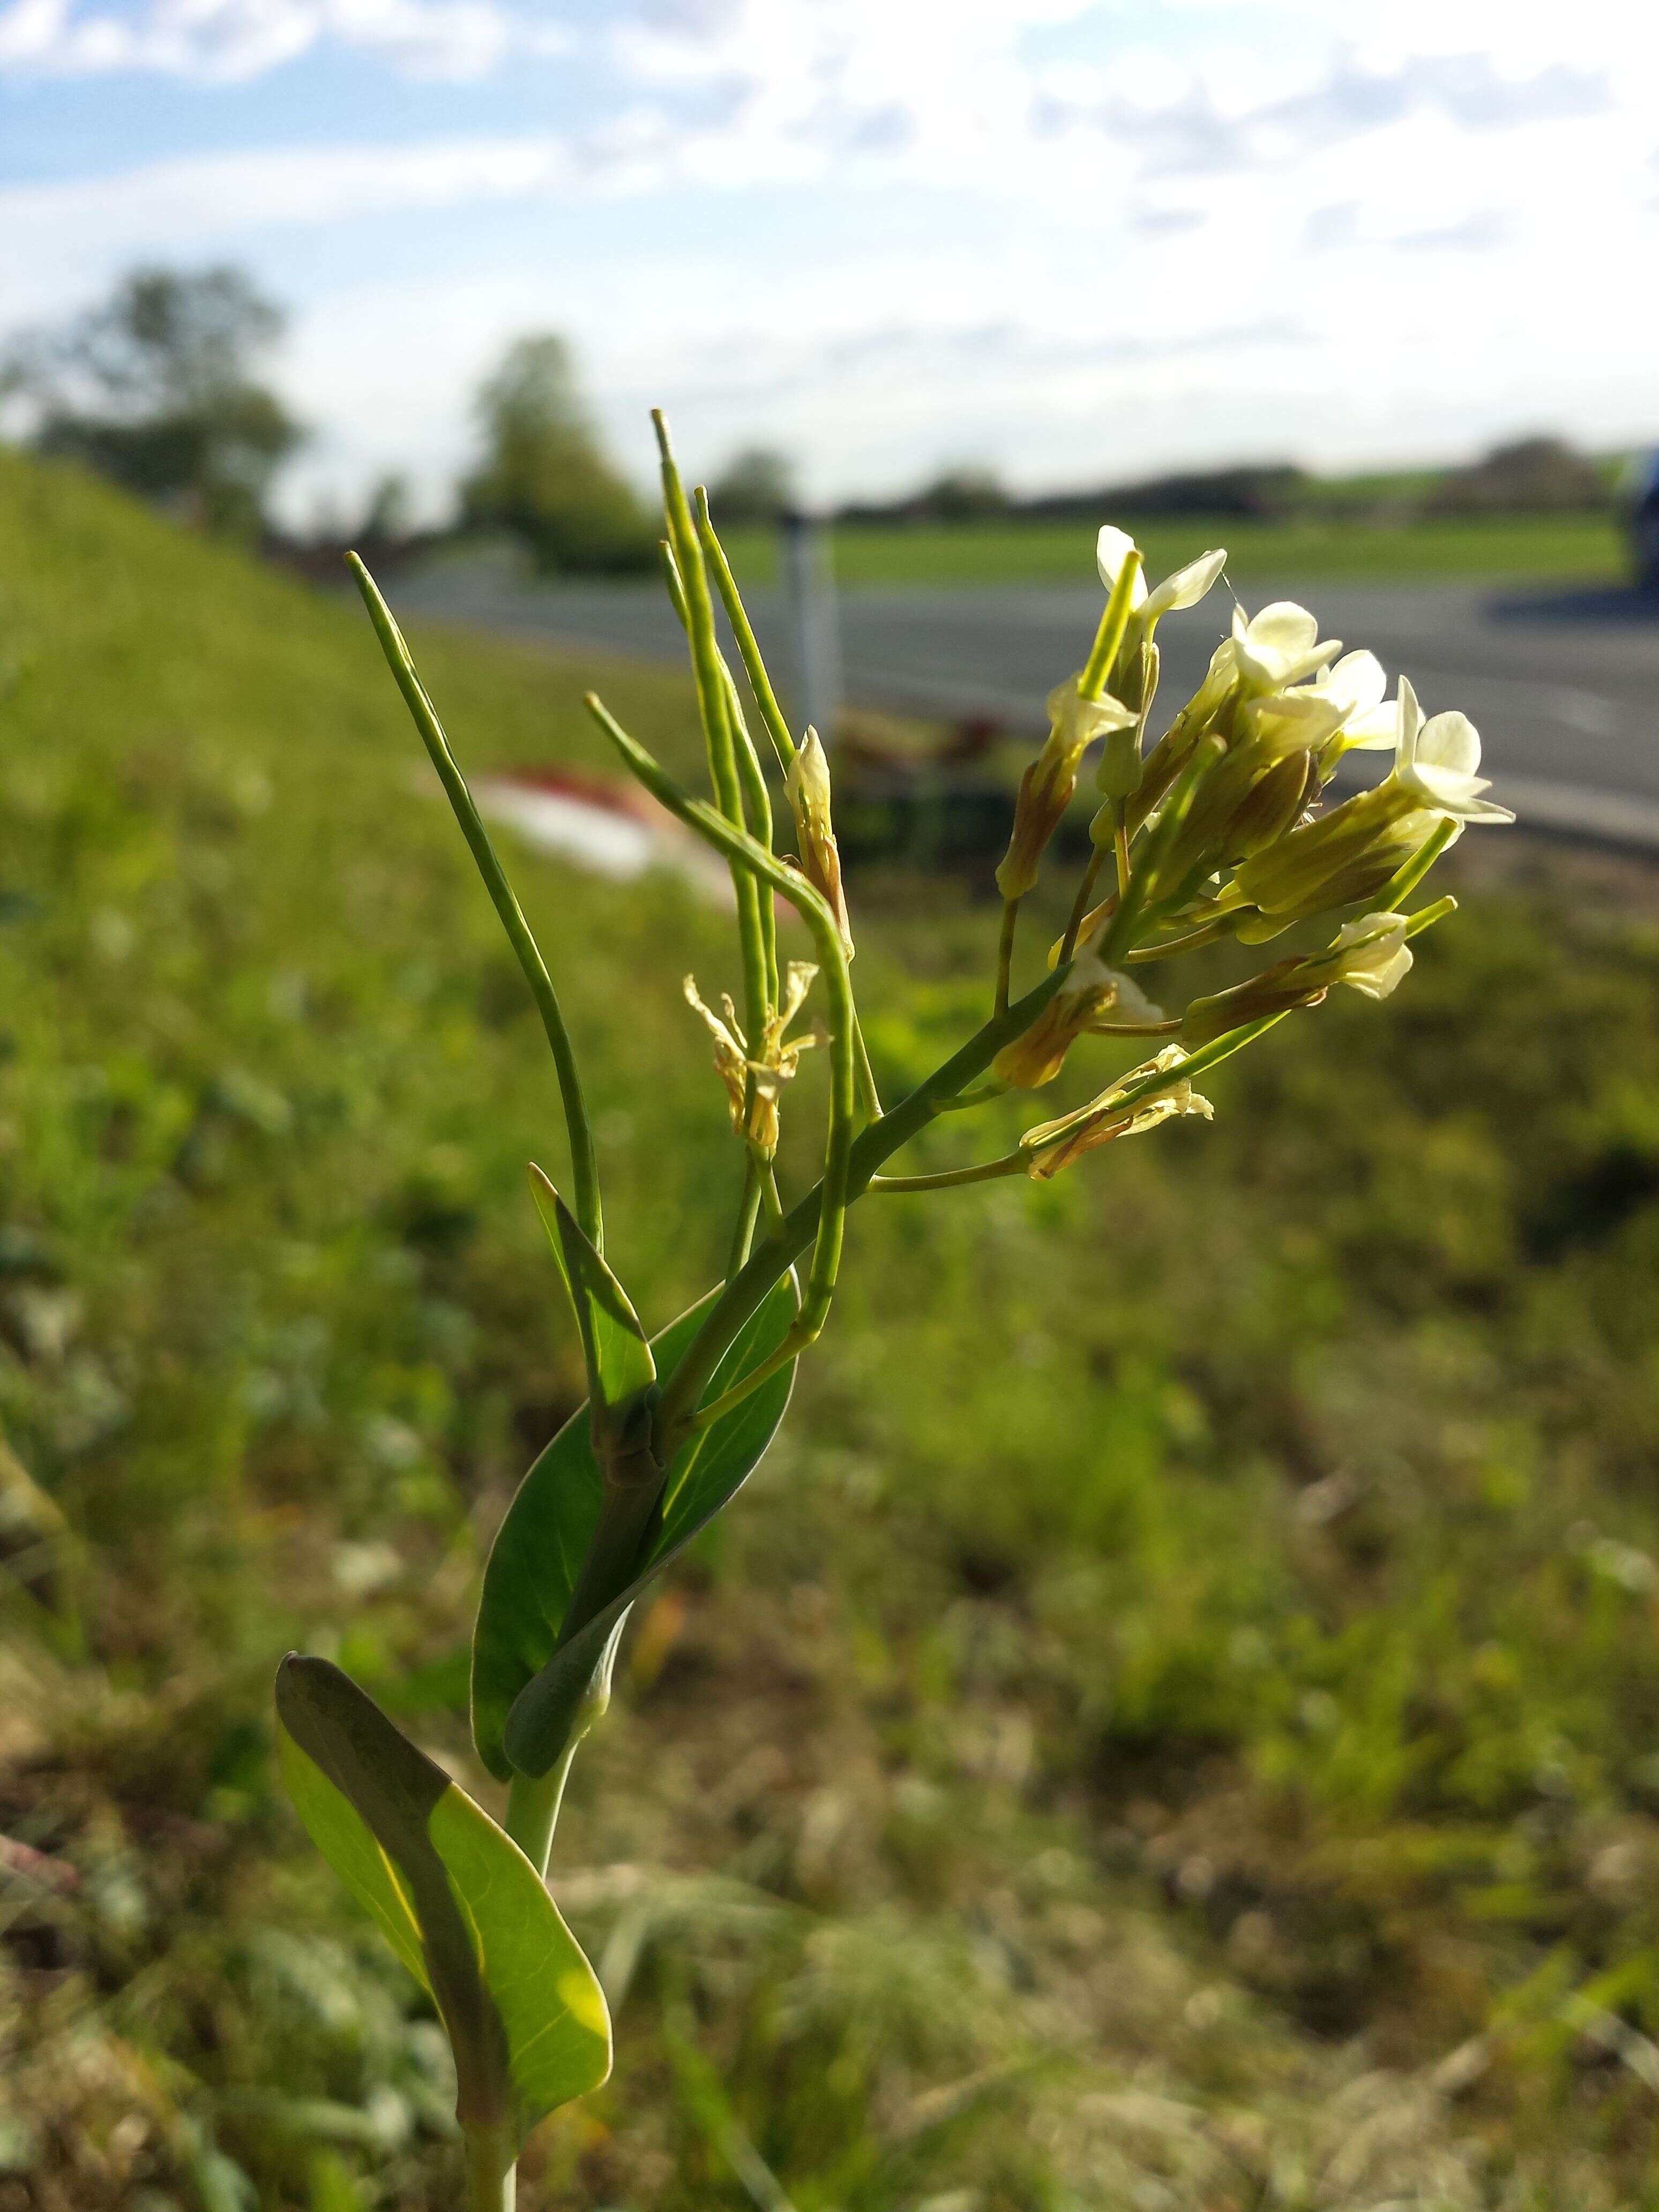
(459, 1901)
(539, 1548)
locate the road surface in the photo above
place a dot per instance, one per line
(1564, 684)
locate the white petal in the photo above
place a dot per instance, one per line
(1411, 722)
(1449, 741)
(1378, 730)
(1187, 586)
(1284, 627)
(1356, 679)
(1383, 973)
(1112, 547)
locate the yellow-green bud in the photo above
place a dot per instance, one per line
(1047, 787)
(807, 783)
(1090, 992)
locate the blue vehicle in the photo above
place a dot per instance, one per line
(1645, 521)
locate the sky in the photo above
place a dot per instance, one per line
(1076, 240)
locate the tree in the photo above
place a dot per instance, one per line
(544, 475)
(1532, 476)
(756, 485)
(154, 386)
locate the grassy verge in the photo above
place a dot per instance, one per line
(1173, 1724)
(1572, 547)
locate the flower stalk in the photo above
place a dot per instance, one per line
(1217, 835)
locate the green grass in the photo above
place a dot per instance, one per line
(1581, 548)
(1175, 1722)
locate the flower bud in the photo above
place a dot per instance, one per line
(1047, 787)
(1090, 992)
(1276, 990)
(807, 783)
(1119, 763)
(1317, 866)
(1269, 808)
(1051, 1146)
(1371, 956)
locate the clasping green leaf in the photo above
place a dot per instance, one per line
(459, 1901)
(519, 1664)
(614, 1347)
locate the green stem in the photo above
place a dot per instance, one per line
(1120, 930)
(869, 1096)
(491, 2169)
(748, 1206)
(1085, 891)
(1005, 953)
(532, 1808)
(584, 1165)
(951, 1178)
(795, 1232)
(1210, 932)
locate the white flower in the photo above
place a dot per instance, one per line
(1437, 763)
(1185, 588)
(1279, 646)
(1370, 723)
(1370, 954)
(1294, 721)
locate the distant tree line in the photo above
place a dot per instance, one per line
(161, 387)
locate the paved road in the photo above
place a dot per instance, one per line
(1564, 686)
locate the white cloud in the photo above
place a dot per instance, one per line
(225, 40)
(1076, 240)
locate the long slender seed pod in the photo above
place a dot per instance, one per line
(757, 814)
(1114, 622)
(584, 1166)
(754, 666)
(757, 803)
(708, 669)
(745, 852)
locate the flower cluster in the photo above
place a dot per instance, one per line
(1221, 829)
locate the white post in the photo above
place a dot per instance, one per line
(810, 584)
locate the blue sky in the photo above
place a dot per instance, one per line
(1074, 240)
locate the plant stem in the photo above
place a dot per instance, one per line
(949, 1178)
(869, 1096)
(532, 1808)
(1005, 953)
(1085, 891)
(799, 1225)
(491, 2170)
(743, 1229)
(584, 1165)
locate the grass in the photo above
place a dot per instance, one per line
(1174, 1723)
(1575, 547)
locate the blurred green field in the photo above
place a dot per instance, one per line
(1580, 547)
(1174, 1723)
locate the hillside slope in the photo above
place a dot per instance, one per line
(1173, 1724)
